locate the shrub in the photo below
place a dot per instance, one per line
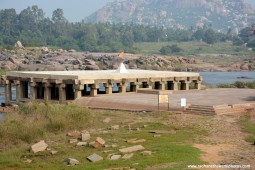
(224, 85)
(240, 84)
(32, 121)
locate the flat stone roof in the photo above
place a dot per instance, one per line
(99, 74)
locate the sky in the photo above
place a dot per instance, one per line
(74, 10)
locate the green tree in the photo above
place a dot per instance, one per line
(210, 36)
(170, 49)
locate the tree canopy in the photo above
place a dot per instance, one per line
(32, 28)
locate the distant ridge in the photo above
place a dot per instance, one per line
(179, 14)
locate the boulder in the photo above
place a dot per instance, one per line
(92, 67)
(19, 45)
(72, 161)
(38, 147)
(44, 50)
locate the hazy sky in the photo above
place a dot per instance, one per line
(74, 10)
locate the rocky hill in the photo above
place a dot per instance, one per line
(221, 14)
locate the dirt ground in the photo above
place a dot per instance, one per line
(225, 143)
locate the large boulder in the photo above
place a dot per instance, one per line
(19, 45)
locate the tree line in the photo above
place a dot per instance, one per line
(32, 28)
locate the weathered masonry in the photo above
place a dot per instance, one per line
(63, 86)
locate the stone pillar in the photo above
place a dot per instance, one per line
(108, 88)
(122, 88)
(47, 92)
(33, 91)
(8, 92)
(162, 86)
(93, 90)
(185, 85)
(176, 85)
(198, 85)
(18, 90)
(62, 93)
(78, 91)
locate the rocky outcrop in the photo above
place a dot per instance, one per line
(234, 14)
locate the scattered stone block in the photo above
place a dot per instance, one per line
(114, 146)
(38, 147)
(128, 156)
(54, 152)
(132, 149)
(91, 143)
(74, 133)
(136, 141)
(29, 161)
(146, 153)
(107, 120)
(115, 157)
(81, 143)
(99, 142)
(156, 136)
(72, 161)
(85, 136)
(94, 158)
(107, 151)
(72, 140)
(115, 127)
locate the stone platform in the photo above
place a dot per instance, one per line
(64, 86)
(138, 101)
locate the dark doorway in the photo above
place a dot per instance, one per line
(54, 92)
(69, 92)
(40, 91)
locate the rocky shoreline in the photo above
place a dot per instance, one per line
(44, 59)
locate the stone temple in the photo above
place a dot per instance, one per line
(67, 86)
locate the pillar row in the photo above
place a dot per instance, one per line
(8, 92)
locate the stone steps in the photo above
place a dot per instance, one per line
(200, 109)
(213, 110)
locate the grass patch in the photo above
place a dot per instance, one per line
(51, 122)
(249, 127)
(193, 47)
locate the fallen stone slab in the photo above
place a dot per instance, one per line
(132, 149)
(134, 141)
(38, 147)
(94, 158)
(81, 143)
(85, 135)
(128, 156)
(53, 152)
(146, 153)
(115, 157)
(72, 161)
(72, 140)
(107, 120)
(115, 127)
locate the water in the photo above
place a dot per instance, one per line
(214, 78)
